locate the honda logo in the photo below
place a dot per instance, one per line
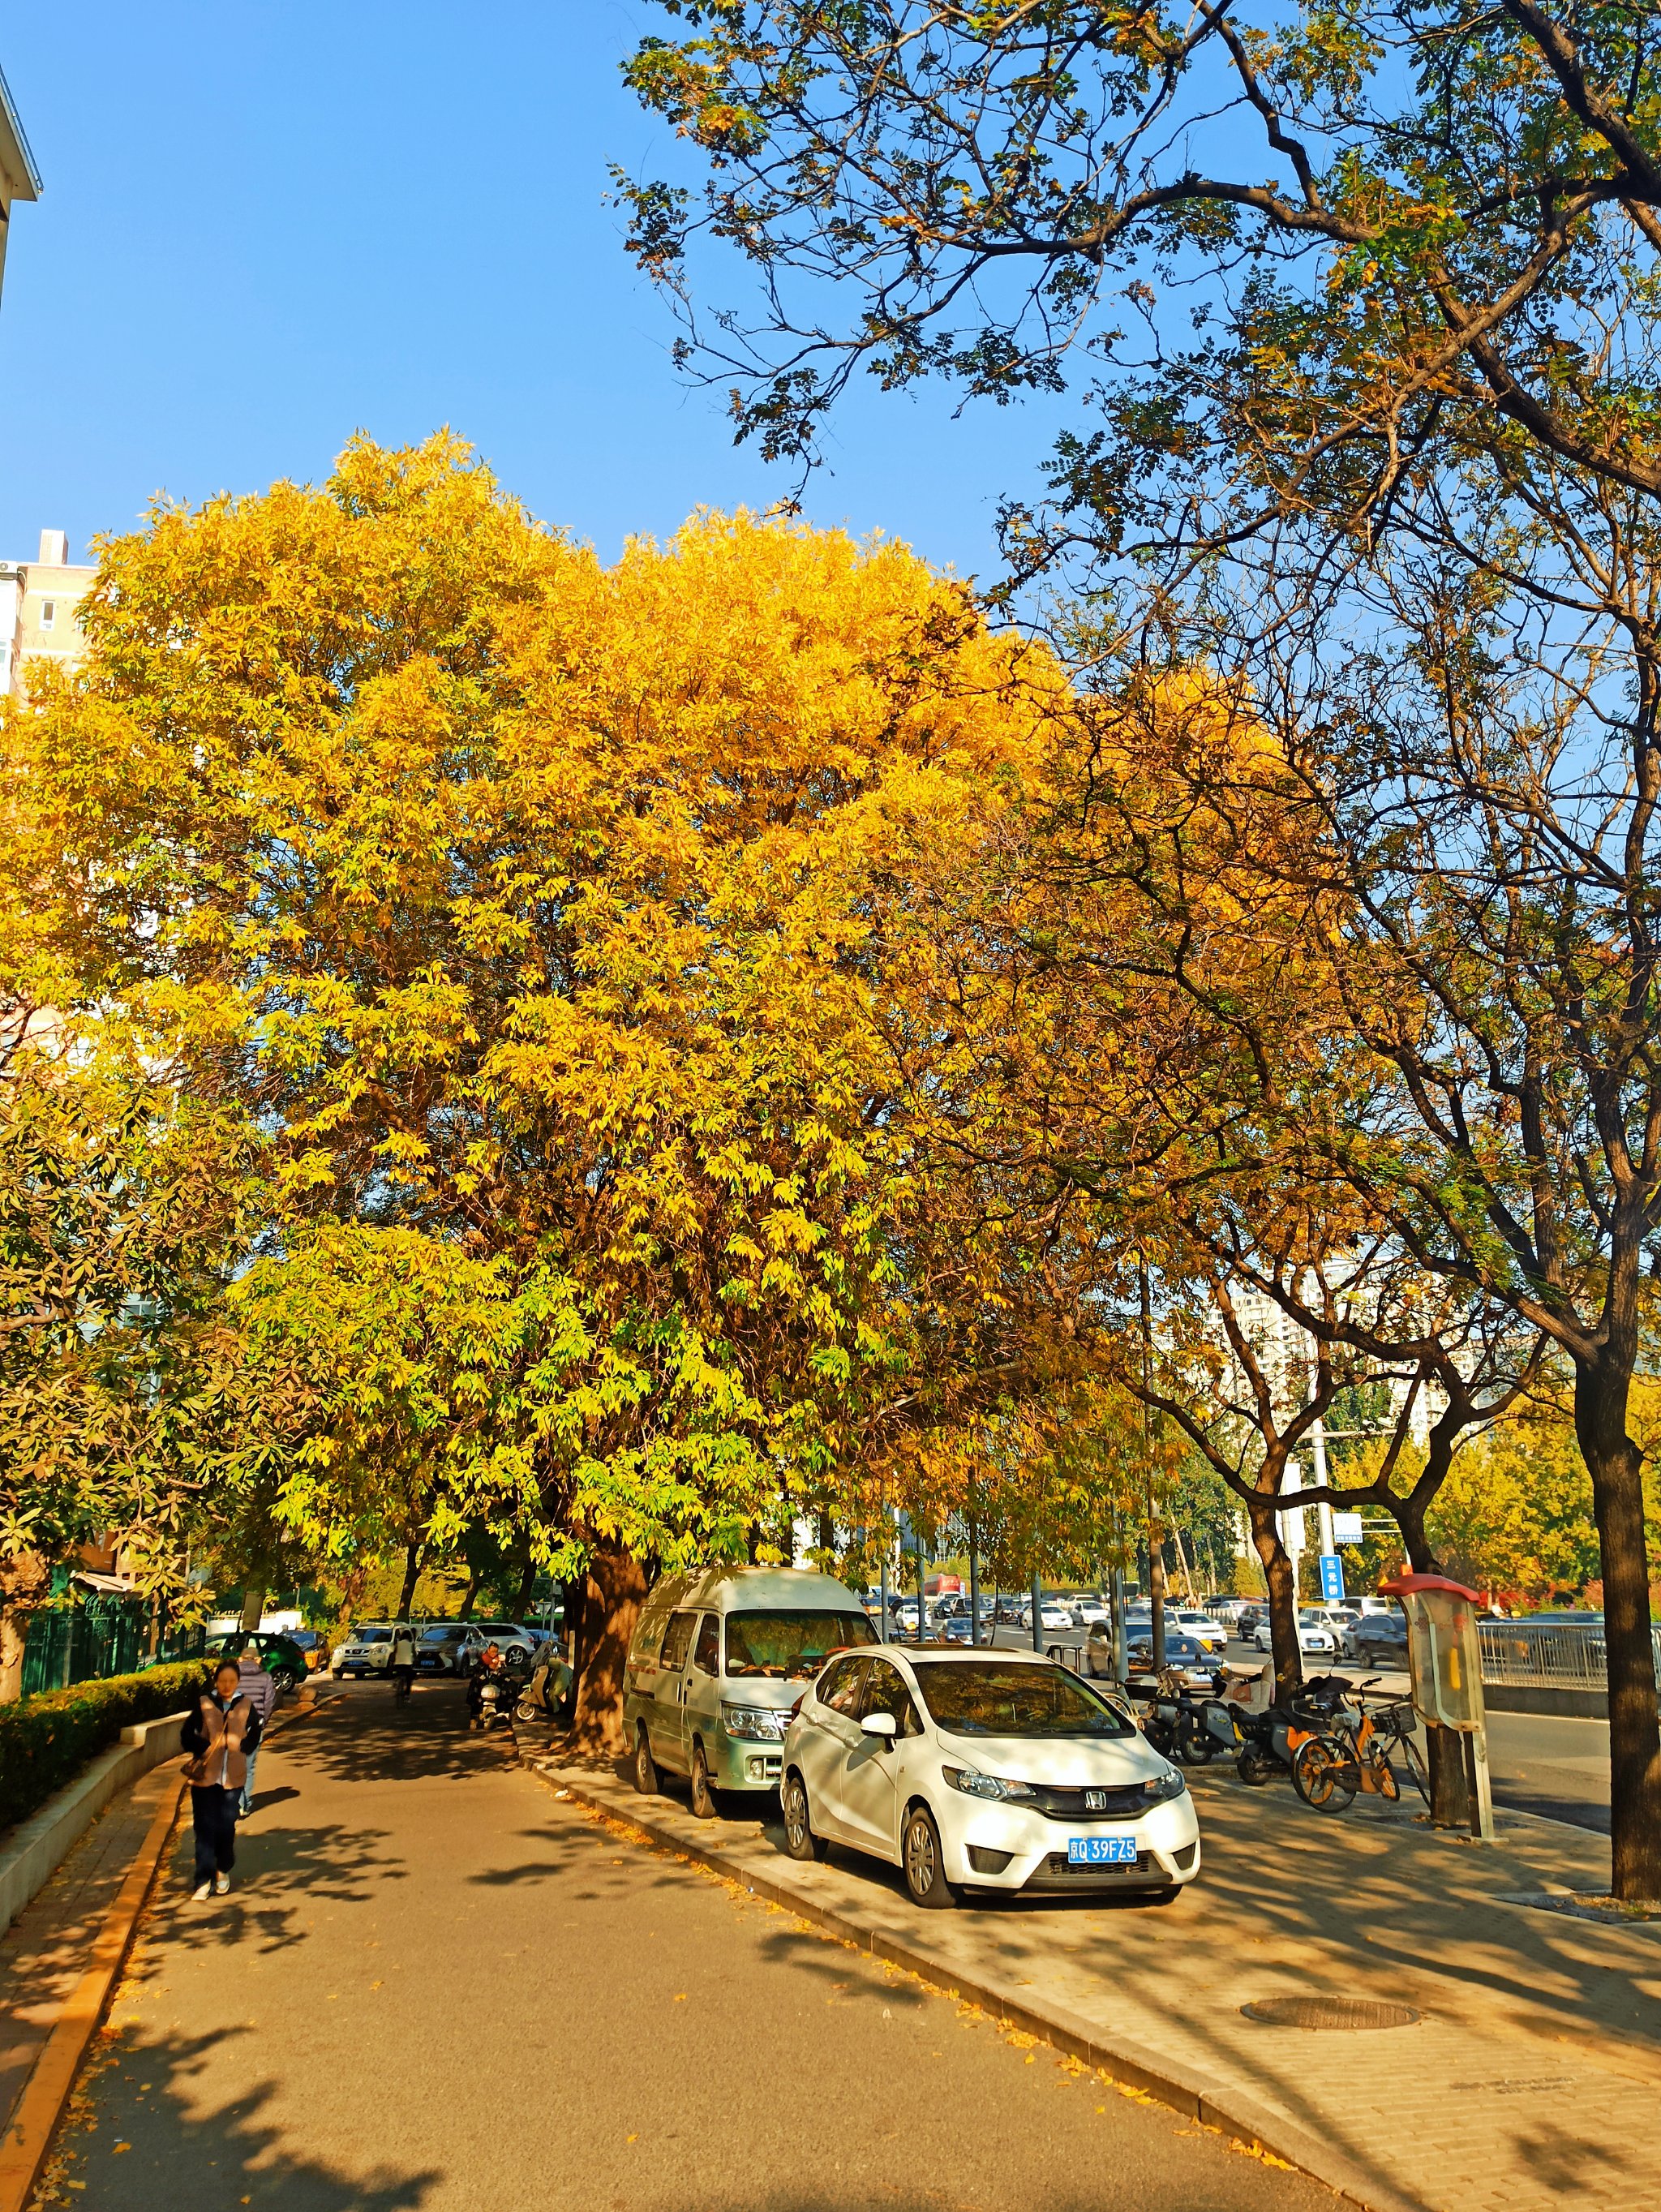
(1095, 1800)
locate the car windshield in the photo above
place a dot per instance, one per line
(371, 1635)
(969, 1697)
(444, 1636)
(782, 1644)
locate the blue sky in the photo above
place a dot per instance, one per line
(269, 222)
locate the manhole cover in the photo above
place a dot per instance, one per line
(1329, 2012)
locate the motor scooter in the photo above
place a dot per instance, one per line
(490, 1699)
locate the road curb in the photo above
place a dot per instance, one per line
(38, 2109)
(42, 2103)
(1194, 2096)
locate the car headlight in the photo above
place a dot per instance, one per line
(755, 1724)
(965, 1778)
(1164, 1787)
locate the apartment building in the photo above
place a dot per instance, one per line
(40, 610)
(18, 178)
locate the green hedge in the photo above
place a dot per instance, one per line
(44, 1742)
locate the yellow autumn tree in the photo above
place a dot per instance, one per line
(567, 918)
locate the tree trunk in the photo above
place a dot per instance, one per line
(1282, 1594)
(611, 1606)
(14, 1635)
(24, 1584)
(527, 1588)
(411, 1577)
(253, 1605)
(475, 1583)
(1615, 1466)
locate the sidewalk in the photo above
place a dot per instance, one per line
(1531, 2078)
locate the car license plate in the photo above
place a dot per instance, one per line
(1101, 1850)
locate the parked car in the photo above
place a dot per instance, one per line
(1376, 1639)
(1225, 1608)
(368, 1649)
(993, 1772)
(506, 1635)
(449, 1647)
(1090, 1611)
(718, 1663)
(1191, 1659)
(283, 1659)
(1313, 1634)
(310, 1643)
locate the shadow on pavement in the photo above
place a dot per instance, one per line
(153, 2149)
(360, 1735)
(280, 1872)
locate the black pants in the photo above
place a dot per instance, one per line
(213, 1811)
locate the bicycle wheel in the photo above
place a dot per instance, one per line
(1324, 1775)
(1415, 1766)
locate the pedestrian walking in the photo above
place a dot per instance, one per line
(403, 1659)
(219, 1735)
(261, 1692)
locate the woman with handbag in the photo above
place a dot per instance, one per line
(219, 1734)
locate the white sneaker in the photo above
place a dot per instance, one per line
(201, 1892)
(221, 1883)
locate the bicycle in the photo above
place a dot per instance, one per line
(1354, 1755)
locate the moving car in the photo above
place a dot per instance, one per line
(1377, 1640)
(1189, 1621)
(996, 1771)
(1313, 1634)
(718, 1664)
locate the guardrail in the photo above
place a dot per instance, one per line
(1524, 1654)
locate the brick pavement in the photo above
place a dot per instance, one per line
(1532, 2079)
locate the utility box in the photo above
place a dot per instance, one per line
(1444, 1658)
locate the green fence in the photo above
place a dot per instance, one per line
(88, 1635)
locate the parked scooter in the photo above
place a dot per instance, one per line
(547, 1696)
(1269, 1740)
(1174, 1721)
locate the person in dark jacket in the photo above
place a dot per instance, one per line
(261, 1692)
(219, 1734)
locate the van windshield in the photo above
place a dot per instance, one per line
(789, 1643)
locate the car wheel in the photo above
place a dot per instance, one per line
(924, 1861)
(646, 1766)
(800, 1842)
(703, 1797)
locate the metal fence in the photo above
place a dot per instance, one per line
(92, 1638)
(1521, 1653)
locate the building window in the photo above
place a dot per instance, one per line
(48, 613)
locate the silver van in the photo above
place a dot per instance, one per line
(717, 1665)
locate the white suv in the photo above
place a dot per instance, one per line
(368, 1649)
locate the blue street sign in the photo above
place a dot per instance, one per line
(1332, 1576)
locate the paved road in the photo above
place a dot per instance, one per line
(434, 1986)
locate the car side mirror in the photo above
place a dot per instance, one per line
(883, 1726)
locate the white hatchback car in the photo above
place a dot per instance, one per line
(996, 1771)
(1314, 1636)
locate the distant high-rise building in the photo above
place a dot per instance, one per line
(40, 610)
(18, 178)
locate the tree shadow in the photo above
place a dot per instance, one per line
(141, 2096)
(364, 1736)
(280, 1873)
